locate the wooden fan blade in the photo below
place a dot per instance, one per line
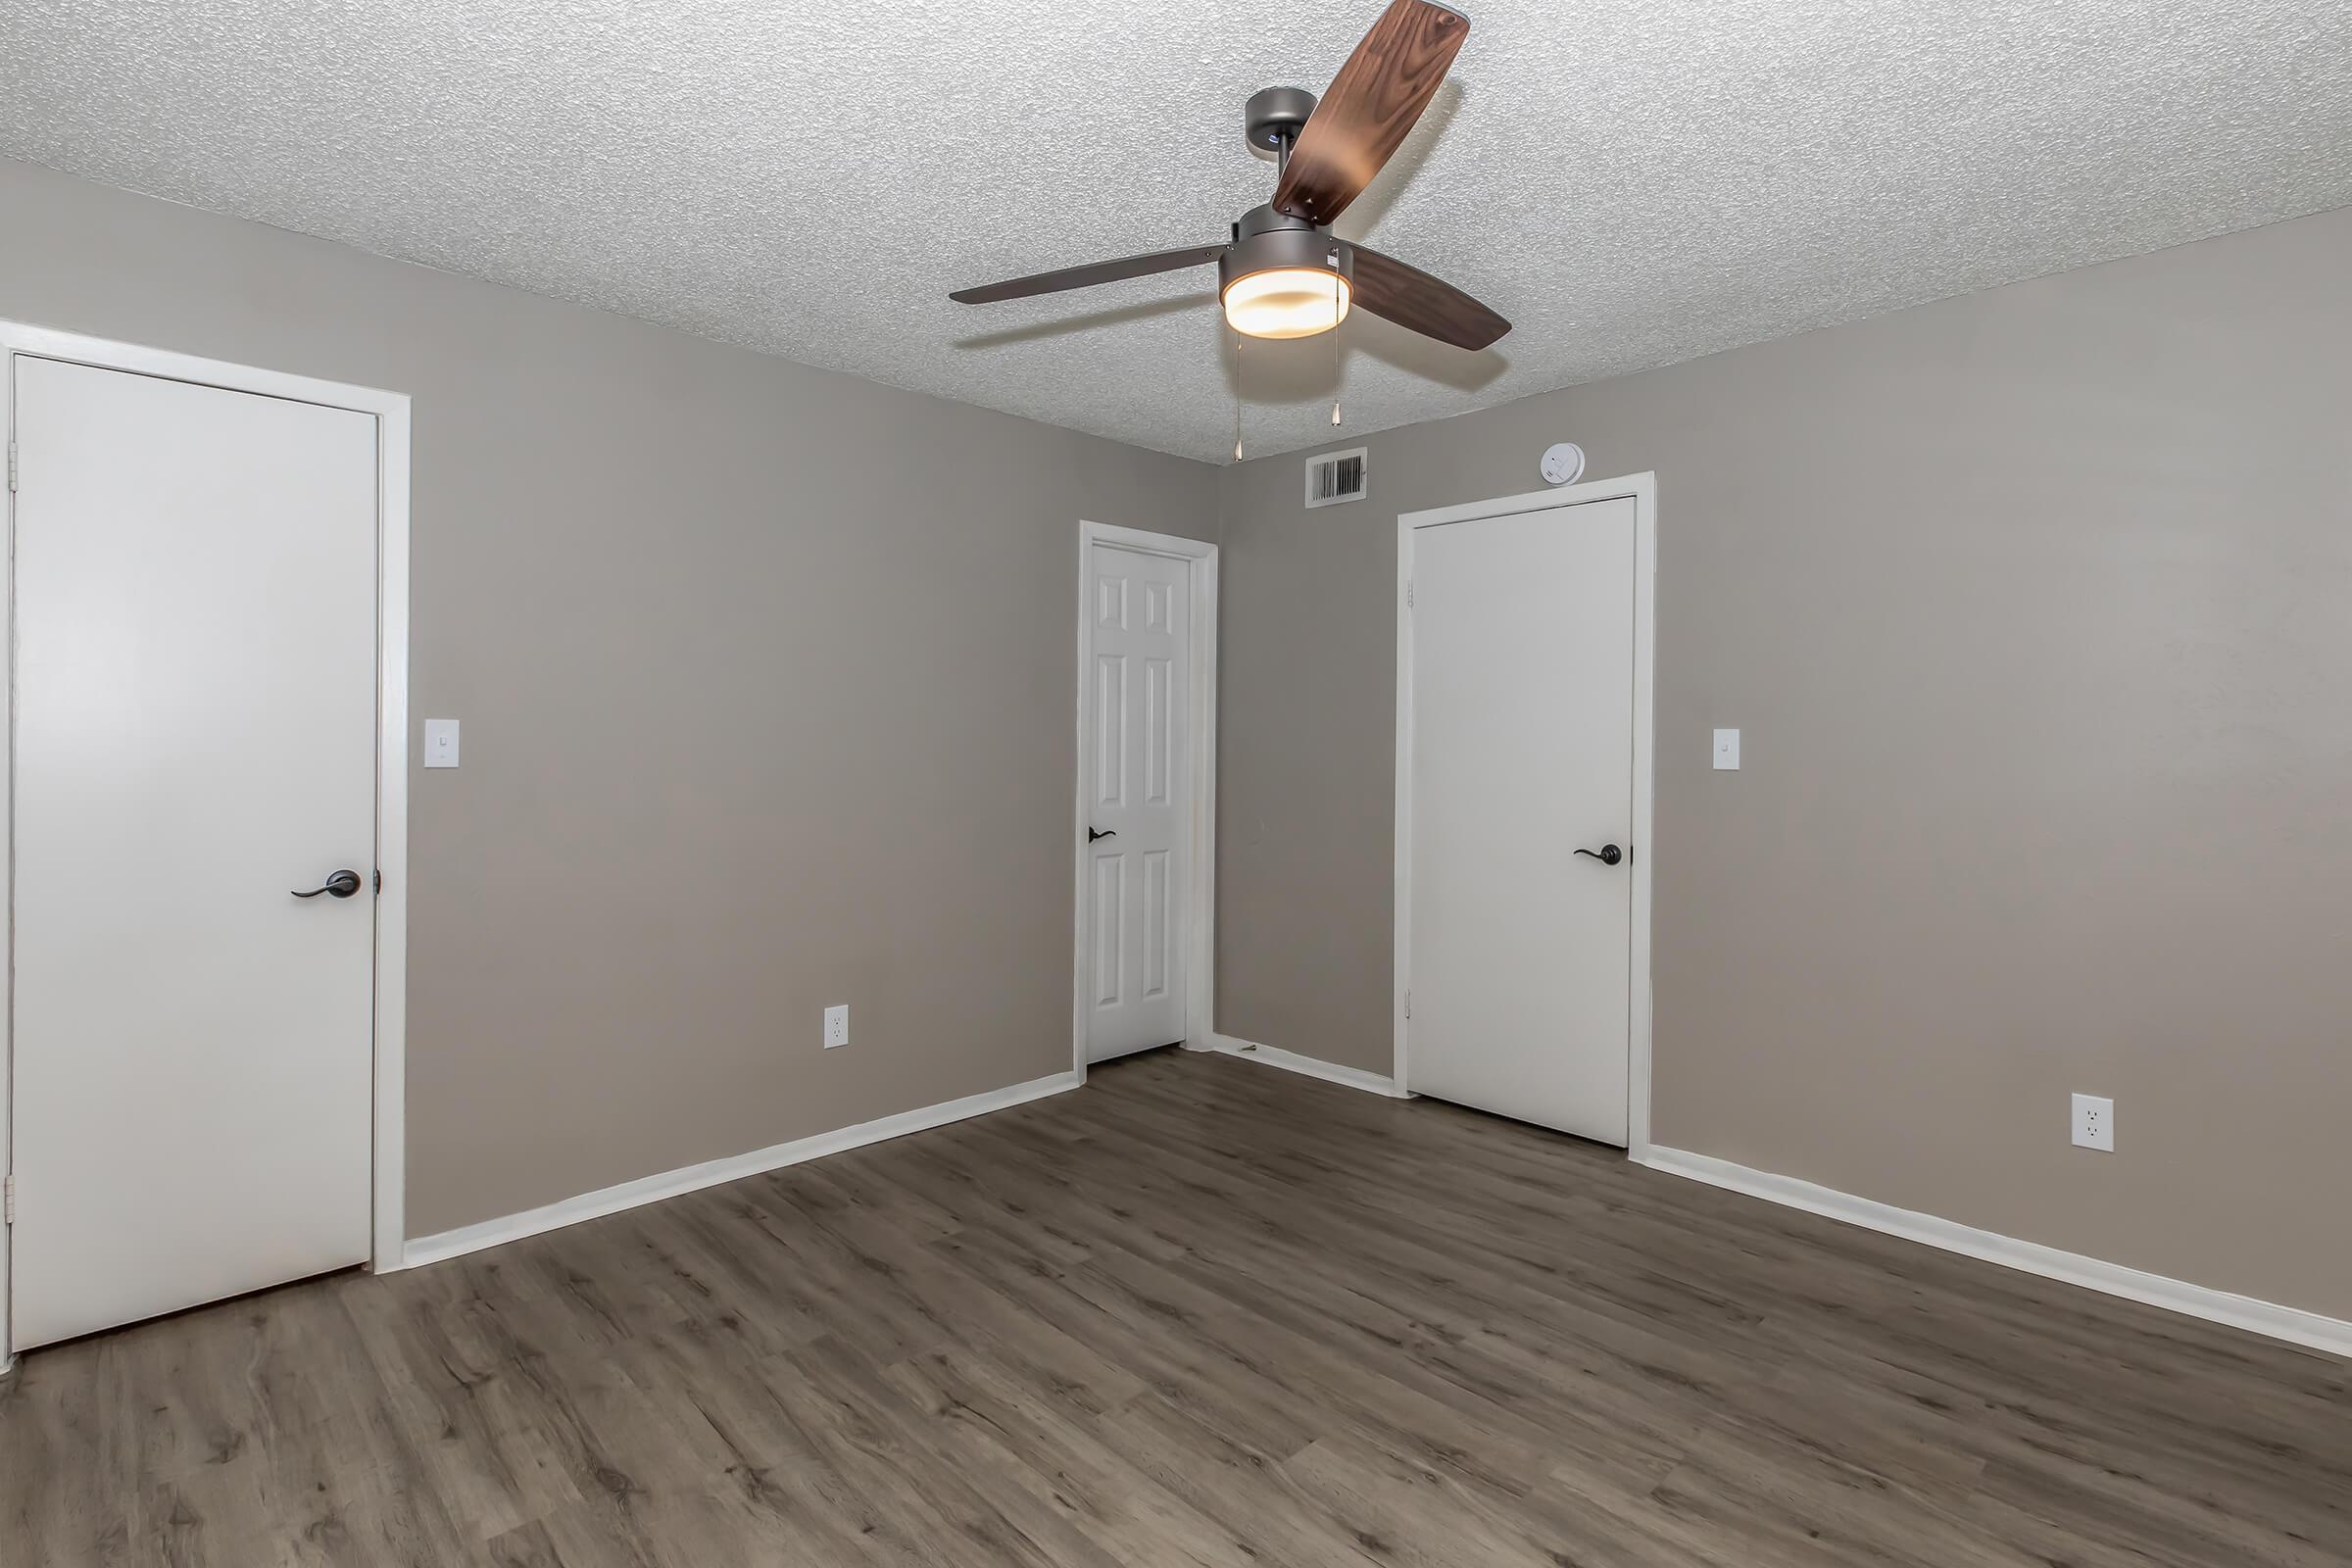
(1087, 276)
(1411, 298)
(1372, 103)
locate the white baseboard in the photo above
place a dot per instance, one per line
(1312, 1067)
(690, 1178)
(2289, 1323)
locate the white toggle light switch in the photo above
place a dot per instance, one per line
(440, 743)
(1727, 751)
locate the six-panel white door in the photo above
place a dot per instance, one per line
(1137, 789)
(1520, 990)
(195, 743)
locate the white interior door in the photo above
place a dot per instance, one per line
(1520, 991)
(1139, 786)
(195, 742)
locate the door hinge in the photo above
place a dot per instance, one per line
(1408, 593)
(10, 1202)
(1408, 1004)
(12, 464)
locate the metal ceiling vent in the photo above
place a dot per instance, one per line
(1336, 477)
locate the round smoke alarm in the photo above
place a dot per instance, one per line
(1563, 463)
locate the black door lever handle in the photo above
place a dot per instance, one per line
(1606, 854)
(1094, 833)
(343, 884)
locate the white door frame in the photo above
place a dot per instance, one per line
(391, 410)
(1200, 918)
(1642, 489)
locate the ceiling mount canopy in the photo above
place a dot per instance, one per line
(1282, 275)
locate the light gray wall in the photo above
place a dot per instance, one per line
(767, 685)
(2035, 609)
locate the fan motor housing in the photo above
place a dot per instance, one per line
(1265, 249)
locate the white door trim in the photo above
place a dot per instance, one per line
(1200, 998)
(1642, 489)
(391, 412)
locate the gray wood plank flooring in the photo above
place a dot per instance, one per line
(1196, 1313)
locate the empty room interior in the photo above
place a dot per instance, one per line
(964, 784)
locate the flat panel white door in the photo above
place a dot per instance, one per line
(1139, 772)
(195, 742)
(1522, 753)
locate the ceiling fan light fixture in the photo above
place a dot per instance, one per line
(1287, 301)
(1287, 281)
(1284, 275)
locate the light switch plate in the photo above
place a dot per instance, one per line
(1727, 751)
(440, 743)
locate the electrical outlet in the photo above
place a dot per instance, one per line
(2094, 1123)
(837, 1026)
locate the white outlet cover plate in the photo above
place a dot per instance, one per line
(2094, 1123)
(837, 1026)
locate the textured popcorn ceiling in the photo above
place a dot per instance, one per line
(1631, 181)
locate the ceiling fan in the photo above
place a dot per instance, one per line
(1282, 275)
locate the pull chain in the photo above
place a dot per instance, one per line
(1237, 397)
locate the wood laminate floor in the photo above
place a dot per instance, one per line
(1196, 1313)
